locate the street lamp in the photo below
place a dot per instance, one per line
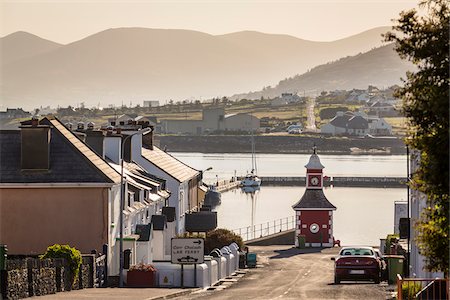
(122, 200)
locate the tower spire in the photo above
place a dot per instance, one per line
(314, 149)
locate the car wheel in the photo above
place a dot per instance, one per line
(337, 280)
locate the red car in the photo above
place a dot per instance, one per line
(357, 263)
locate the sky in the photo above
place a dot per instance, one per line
(65, 21)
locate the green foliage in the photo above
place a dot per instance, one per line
(410, 289)
(221, 237)
(425, 42)
(72, 256)
(390, 239)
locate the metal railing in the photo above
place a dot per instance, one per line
(422, 288)
(266, 229)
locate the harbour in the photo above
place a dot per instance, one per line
(364, 190)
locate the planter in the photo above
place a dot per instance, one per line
(140, 278)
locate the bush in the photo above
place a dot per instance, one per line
(71, 255)
(221, 237)
(410, 289)
(390, 239)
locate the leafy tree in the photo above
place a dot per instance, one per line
(424, 40)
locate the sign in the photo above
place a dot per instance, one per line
(187, 250)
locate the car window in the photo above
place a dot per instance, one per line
(356, 251)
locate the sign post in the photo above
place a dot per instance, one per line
(187, 251)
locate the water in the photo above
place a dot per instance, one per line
(363, 215)
(225, 165)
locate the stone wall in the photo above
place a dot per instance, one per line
(27, 277)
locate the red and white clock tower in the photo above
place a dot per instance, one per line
(313, 212)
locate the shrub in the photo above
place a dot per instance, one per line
(71, 255)
(221, 237)
(410, 289)
(390, 239)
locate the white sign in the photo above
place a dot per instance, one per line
(187, 250)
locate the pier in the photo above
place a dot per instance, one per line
(376, 182)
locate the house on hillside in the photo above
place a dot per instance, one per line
(356, 123)
(382, 109)
(14, 113)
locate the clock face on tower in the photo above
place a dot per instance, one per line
(314, 181)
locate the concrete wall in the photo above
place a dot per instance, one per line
(31, 219)
(182, 126)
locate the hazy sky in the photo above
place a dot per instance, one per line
(65, 21)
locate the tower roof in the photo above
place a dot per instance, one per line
(314, 161)
(313, 199)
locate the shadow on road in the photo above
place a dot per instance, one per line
(293, 252)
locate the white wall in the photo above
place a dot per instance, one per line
(112, 148)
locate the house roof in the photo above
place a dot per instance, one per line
(169, 164)
(71, 161)
(340, 121)
(357, 122)
(313, 198)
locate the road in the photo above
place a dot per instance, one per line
(311, 121)
(289, 273)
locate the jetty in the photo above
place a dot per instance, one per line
(335, 181)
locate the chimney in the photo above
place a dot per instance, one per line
(96, 140)
(35, 146)
(147, 140)
(80, 126)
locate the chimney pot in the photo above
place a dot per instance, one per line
(34, 121)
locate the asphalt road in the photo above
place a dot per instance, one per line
(290, 273)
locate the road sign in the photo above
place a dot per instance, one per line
(187, 250)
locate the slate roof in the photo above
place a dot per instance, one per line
(71, 161)
(169, 164)
(357, 122)
(340, 121)
(313, 198)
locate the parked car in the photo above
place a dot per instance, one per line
(357, 263)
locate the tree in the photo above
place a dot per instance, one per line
(424, 40)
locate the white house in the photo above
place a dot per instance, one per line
(356, 123)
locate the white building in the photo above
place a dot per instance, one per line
(150, 103)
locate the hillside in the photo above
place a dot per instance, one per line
(380, 67)
(126, 65)
(22, 45)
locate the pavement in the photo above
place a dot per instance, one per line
(123, 293)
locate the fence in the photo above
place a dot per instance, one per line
(266, 229)
(422, 288)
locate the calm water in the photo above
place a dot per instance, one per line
(225, 165)
(363, 215)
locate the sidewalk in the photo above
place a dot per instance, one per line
(117, 293)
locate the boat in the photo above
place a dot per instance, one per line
(212, 196)
(252, 179)
(250, 189)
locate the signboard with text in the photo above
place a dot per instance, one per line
(187, 250)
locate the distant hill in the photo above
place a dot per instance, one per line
(380, 67)
(126, 65)
(21, 45)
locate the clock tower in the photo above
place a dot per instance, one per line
(313, 212)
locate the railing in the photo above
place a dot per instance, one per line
(422, 288)
(266, 229)
(101, 269)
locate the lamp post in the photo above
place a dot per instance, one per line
(122, 200)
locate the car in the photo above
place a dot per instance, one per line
(295, 131)
(294, 128)
(357, 263)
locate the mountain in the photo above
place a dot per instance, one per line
(21, 45)
(134, 64)
(380, 67)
